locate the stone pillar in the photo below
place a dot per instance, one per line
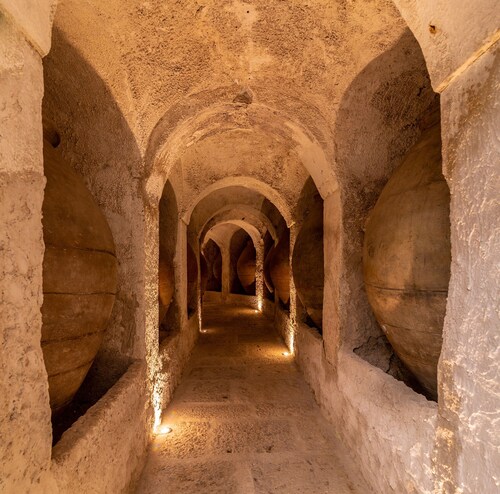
(332, 266)
(467, 436)
(292, 324)
(180, 268)
(259, 272)
(25, 428)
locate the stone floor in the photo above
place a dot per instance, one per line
(244, 421)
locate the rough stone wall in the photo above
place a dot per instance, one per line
(168, 218)
(105, 449)
(468, 440)
(25, 426)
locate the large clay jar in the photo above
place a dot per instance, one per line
(79, 279)
(280, 267)
(203, 274)
(246, 267)
(166, 286)
(192, 275)
(267, 270)
(406, 258)
(307, 262)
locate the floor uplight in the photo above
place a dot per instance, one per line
(164, 429)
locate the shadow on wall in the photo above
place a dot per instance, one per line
(378, 121)
(213, 256)
(308, 258)
(168, 310)
(81, 116)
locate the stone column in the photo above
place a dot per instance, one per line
(180, 268)
(259, 272)
(25, 428)
(331, 295)
(467, 436)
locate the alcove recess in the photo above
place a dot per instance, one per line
(168, 310)
(213, 257)
(79, 288)
(245, 267)
(308, 258)
(279, 269)
(268, 284)
(239, 242)
(192, 281)
(407, 256)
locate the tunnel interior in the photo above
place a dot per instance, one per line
(246, 255)
(253, 234)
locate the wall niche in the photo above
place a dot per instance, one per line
(79, 288)
(407, 257)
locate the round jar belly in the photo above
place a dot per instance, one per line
(79, 279)
(407, 256)
(246, 268)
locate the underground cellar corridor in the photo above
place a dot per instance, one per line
(243, 420)
(271, 226)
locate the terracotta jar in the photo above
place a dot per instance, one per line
(246, 267)
(406, 258)
(79, 278)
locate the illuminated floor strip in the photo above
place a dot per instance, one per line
(243, 420)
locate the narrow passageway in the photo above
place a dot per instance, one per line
(244, 421)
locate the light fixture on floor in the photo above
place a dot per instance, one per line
(204, 331)
(286, 354)
(164, 430)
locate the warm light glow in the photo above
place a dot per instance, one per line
(164, 429)
(259, 304)
(157, 407)
(291, 338)
(285, 354)
(204, 331)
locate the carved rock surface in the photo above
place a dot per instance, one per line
(166, 286)
(267, 270)
(192, 275)
(203, 274)
(307, 263)
(280, 267)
